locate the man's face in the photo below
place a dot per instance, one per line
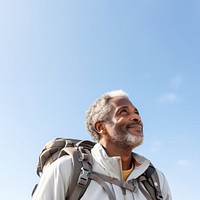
(125, 127)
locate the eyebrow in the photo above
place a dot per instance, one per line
(121, 107)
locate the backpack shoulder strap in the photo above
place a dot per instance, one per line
(82, 166)
(151, 183)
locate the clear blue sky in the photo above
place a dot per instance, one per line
(57, 57)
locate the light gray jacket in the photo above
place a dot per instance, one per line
(55, 180)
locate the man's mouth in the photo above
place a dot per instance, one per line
(135, 126)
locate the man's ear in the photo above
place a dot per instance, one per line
(100, 127)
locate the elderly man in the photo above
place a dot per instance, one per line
(116, 126)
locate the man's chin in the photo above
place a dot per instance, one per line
(134, 141)
(129, 140)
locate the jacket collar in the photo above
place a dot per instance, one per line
(113, 165)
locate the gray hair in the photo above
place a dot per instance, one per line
(99, 110)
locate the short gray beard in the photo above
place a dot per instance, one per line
(127, 141)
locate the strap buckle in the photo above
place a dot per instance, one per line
(85, 169)
(83, 178)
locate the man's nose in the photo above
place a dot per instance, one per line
(135, 117)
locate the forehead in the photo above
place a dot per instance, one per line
(121, 102)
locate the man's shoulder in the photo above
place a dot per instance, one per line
(64, 161)
(62, 164)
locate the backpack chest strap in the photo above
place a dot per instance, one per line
(123, 184)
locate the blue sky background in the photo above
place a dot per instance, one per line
(57, 57)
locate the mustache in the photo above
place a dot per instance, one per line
(134, 123)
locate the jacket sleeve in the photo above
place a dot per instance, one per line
(55, 180)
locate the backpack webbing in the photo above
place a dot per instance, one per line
(82, 166)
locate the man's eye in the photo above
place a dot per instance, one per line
(136, 112)
(123, 111)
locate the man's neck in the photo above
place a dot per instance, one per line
(124, 153)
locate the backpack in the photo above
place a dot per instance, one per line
(80, 152)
